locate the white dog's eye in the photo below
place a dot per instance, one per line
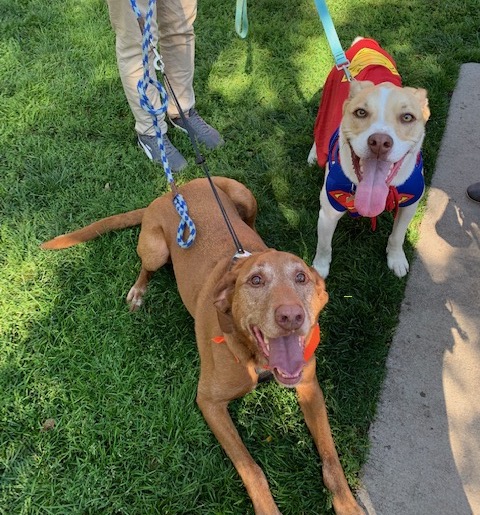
(360, 113)
(408, 118)
(300, 277)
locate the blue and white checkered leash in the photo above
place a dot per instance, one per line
(179, 202)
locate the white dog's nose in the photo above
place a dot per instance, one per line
(380, 144)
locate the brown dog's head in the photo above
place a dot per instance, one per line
(272, 300)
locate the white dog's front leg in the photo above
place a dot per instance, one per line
(396, 259)
(312, 155)
(327, 222)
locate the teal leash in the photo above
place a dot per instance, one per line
(241, 19)
(341, 61)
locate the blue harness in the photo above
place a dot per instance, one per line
(341, 190)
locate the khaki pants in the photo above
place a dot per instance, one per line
(172, 27)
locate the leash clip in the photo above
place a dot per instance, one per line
(344, 67)
(158, 61)
(344, 63)
(241, 254)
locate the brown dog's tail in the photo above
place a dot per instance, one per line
(112, 223)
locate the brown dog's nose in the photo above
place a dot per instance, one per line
(380, 144)
(289, 316)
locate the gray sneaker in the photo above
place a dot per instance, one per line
(149, 144)
(203, 132)
(473, 192)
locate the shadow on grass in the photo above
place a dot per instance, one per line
(122, 387)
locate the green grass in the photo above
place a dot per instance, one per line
(121, 388)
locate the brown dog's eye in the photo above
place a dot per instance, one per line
(300, 277)
(256, 280)
(408, 118)
(360, 113)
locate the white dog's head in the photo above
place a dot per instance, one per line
(381, 133)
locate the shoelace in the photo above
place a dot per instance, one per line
(197, 121)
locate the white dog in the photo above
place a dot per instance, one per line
(371, 149)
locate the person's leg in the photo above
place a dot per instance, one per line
(177, 46)
(473, 192)
(130, 66)
(129, 59)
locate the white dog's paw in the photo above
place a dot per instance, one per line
(322, 265)
(397, 262)
(312, 156)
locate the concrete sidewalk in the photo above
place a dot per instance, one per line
(425, 441)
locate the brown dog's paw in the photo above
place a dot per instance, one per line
(135, 297)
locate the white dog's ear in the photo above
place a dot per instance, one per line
(357, 85)
(421, 95)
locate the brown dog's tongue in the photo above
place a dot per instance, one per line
(372, 191)
(286, 355)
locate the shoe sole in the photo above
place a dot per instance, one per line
(178, 126)
(472, 199)
(145, 149)
(150, 156)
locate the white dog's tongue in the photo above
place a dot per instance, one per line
(372, 191)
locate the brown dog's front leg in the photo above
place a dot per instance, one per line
(312, 403)
(137, 291)
(217, 417)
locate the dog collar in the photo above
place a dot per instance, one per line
(310, 348)
(312, 344)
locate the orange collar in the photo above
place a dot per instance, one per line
(312, 344)
(310, 348)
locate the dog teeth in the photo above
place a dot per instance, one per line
(285, 375)
(264, 344)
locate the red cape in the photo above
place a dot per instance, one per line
(368, 61)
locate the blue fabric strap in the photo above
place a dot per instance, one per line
(241, 19)
(341, 60)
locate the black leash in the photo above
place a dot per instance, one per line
(200, 160)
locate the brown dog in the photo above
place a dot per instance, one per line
(251, 314)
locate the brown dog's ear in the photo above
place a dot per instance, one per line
(320, 288)
(222, 300)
